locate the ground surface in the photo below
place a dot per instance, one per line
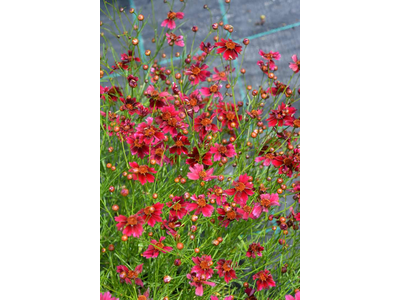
(280, 31)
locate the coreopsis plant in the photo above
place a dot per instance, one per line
(200, 187)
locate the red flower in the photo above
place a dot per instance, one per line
(200, 206)
(175, 39)
(203, 266)
(265, 280)
(197, 172)
(197, 73)
(203, 124)
(152, 213)
(250, 212)
(228, 214)
(228, 114)
(132, 226)
(113, 93)
(212, 90)
(218, 194)
(142, 173)
(130, 104)
(207, 48)
(254, 249)
(296, 65)
(269, 56)
(169, 21)
(170, 121)
(195, 158)
(284, 115)
(178, 207)
(107, 296)
(287, 163)
(138, 146)
(243, 188)
(224, 269)
(158, 154)
(223, 75)
(179, 147)
(126, 275)
(170, 225)
(192, 103)
(155, 248)
(266, 159)
(198, 282)
(229, 48)
(159, 71)
(267, 200)
(157, 99)
(148, 132)
(132, 80)
(220, 151)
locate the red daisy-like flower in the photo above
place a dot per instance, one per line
(222, 75)
(152, 213)
(203, 266)
(268, 200)
(157, 99)
(170, 20)
(212, 90)
(138, 146)
(158, 154)
(255, 249)
(296, 65)
(229, 48)
(175, 39)
(179, 147)
(197, 73)
(264, 280)
(203, 124)
(218, 194)
(228, 114)
(142, 173)
(284, 115)
(198, 173)
(198, 282)
(192, 103)
(243, 188)
(271, 55)
(107, 296)
(130, 104)
(131, 226)
(195, 158)
(155, 248)
(288, 163)
(159, 71)
(132, 81)
(178, 207)
(224, 269)
(170, 121)
(200, 206)
(170, 225)
(207, 48)
(114, 93)
(148, 132)
(221, 151)
(266, 159)
(228, 214)
(252, 212)
(126, 275)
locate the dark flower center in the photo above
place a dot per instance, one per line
(230, 115)
(231, 215)
(222, 149)
(143, 169)
(226, 267)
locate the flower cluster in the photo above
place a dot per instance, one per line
(200, 188)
